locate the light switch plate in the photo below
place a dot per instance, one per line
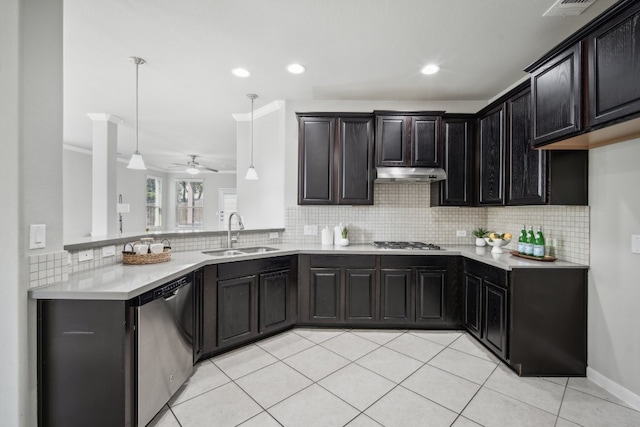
(37, 236)
(635, 244)
(85, 255)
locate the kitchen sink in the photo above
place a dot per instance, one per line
(240, 251)
(257, 249)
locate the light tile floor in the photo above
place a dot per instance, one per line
(335, 377)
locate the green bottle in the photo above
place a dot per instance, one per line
(522, 240)
(538, 247)
(531, 240)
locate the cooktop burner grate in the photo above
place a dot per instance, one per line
(406, 245)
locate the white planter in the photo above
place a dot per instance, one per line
(480, 241)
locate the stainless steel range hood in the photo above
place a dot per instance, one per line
(399, 174)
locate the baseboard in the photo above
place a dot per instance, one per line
(622, 393)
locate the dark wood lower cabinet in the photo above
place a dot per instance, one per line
(237, 309)
(472, 291)
(395, 301)
(386, 291)
(360, 295)
(430, 295)
(495, 318)
(324, 302)
(274, 300)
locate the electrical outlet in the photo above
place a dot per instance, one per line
(273, 235)
(108, 251)
(635, 244)
(461, 233)
(310, 230)
(86, 255)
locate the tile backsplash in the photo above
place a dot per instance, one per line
(401, 212)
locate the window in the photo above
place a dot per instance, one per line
(154, 201)
(189, 202)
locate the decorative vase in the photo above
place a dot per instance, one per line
(343, 242)
(480, 241)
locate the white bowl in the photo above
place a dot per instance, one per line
(497, 244)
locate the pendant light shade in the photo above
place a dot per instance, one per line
(136, 161)
(251, 175)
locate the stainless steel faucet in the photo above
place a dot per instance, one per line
(240, 227)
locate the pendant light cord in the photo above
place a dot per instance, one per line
(138, 62)
(252, 97)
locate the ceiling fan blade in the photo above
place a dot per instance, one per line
(199, 166)
(179, 164)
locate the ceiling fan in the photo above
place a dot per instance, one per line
(194, 167)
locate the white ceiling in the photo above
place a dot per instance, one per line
(352, 49)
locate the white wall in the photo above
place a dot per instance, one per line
(261, 202)
(614, 284)
(30, 184)
(212, 183)
(77, 191)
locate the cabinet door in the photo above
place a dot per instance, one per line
(360, 293)
(458, 137)
(556, 101)
(237, 310)
(324, 295)
(491, 155)
(426, 146)
(527, 174)
(315, 163)
(495, 318)
(472, 291)
(395, 304)
(391, 141)
(614, 67)
(430, 296)
(274, 300)
(356, 161)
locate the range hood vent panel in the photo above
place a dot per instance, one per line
(400, 174)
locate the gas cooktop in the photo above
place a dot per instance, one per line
(407, 245)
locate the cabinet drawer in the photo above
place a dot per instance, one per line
(242, 268)
(407, 261)
(336, 261)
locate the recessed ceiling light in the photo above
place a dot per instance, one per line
(240, 72)
(295, 68)
(430, 69)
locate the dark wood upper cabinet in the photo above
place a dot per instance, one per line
(356, 174)
(556, 97)
(491, 152)
(335, 159)
(392, 147)
(457, 157)
(409, 139)
(526, 167)
(315, 162)
(613, 52)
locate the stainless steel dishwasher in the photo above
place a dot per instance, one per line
(164, 332)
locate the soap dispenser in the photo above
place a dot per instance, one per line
(327, 236)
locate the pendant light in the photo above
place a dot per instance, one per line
(136, 161)
(252, 175)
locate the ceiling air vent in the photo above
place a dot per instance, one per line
(568, 7)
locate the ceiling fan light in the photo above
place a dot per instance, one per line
(430, 69)
(296, 68)
(251, 175)
(240, 72)
(192, 170)
(136, 162)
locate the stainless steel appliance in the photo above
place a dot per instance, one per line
(164, 344)
(407, 245)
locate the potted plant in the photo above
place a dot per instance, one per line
(345, 237)
(479, 233)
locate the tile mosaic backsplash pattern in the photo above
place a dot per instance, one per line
(401, 212)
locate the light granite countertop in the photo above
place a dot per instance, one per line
(123, 282)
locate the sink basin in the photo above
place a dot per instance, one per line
(256, 249)
(240, 251)
(223, 252)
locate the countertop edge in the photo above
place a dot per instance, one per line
(147, 277)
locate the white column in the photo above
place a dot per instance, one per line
(104, 216)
